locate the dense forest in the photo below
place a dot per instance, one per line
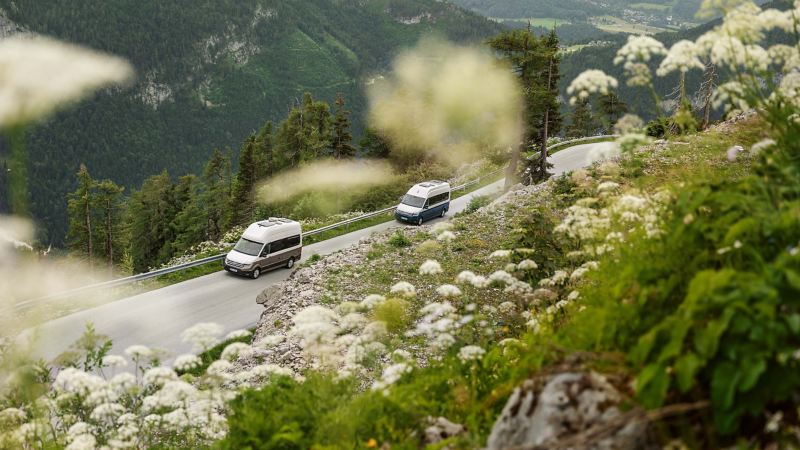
(209, 74)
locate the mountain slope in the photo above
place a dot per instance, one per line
(209, 73)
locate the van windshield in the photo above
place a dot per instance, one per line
(248, 247)
(413, 200)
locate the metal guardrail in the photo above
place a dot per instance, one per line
(167, 270)
(579, 140)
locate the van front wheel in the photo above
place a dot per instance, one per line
(419, 221)
(444, 211)
(290, 263)
(256, 273)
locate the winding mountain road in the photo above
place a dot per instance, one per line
(157, 318)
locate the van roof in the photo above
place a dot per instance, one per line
(424, 188)
(274, 227)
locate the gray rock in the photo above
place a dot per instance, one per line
(441, 429)
(568, 404)
(270, 295)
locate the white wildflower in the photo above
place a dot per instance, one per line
(448, 290)
(471, 353)
(353, 321)
(40, 74)
(578, 273)
(517, 287)
(500, 254)
(219, 368)
(639, 49)
(430, 267)
(372, 300)
(501, 276)
(465, 276)
(441, 227)
(82, 442)
(203, 335)
(391, 374)
(238, 334)
(107, 412)
(574, 295)
(157, 376)
(527, 264)
(682, 57)
(403, 288)
(114, 361)
(506, 307)
(479, 281)
(187, 362)
(590, 82)
(446, 236)
(534, 325)
(442, 342)
(629, 123)
(607, 186)
(762, 145)
(234, 350)
(136, 352)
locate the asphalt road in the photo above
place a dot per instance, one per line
(158, 317)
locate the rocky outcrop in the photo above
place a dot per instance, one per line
(556, 416)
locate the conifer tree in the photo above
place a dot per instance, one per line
(243, 204)
(342, 137)
(80, 208)
(217, 193)
(5, 205)
(190, 222)
(374, 145)
(582, 122)
(109, 203)
(152, 211)
(612, 108)
(305, 134)
(264, 155)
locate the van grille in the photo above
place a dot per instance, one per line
(234, 264)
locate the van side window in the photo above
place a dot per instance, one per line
(283, 244)
(265, 252)
(439, 198)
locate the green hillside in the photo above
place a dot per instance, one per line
(209, 73)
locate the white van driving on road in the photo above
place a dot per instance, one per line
(424, 201)
(265, 245)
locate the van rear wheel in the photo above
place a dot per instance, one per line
(256, 273)
(290, 263)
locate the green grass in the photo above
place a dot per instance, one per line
(613, 24)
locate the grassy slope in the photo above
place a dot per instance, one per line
(473, 394)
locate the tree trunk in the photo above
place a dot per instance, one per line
(109, 239)
(543, 152)
(511, 171)
(711, 70)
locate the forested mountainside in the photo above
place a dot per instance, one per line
(210, 72)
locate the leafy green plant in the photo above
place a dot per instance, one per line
(399, 240)
(476, 203)
(395, 313)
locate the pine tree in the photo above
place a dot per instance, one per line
(190, 223)
(612, 108)
(5, 205)
(583, 122)
(151, 213)
(217, 193)
(547, 97)
(342, 138)
(374, 145)
(109, 203)
(264, 155)
(80, 207)
(243, 205)
(305, 134)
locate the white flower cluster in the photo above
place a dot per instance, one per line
(682, 57)
(588, 83)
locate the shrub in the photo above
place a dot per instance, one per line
(656, 128)
(476, 203)
(429, 248)
(395, 313)
(399, 240)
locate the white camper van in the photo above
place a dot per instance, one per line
(424, 201)
(265, 245)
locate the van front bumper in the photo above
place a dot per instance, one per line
(403, 217)
(244, 271)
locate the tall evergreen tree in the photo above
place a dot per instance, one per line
(190, 223)
(265, 155)
(342, 137)
(374, 145)
(583, 123)
(217, 193)
(546, 98)
(305, 134)
(612, 108)
(243, 204)
(80, 207)
(109, 202)
(152, 211)
(5, 204)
